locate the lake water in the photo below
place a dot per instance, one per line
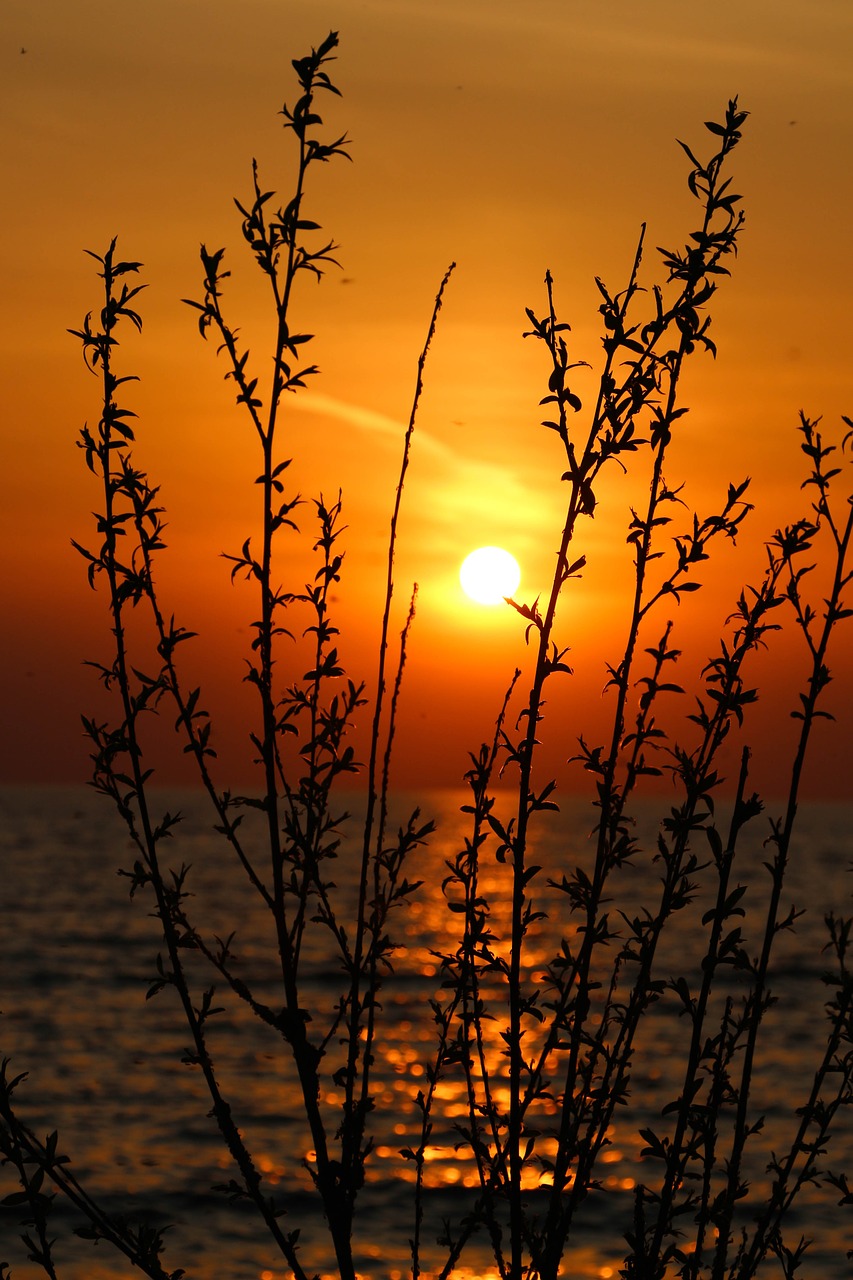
(77, 956)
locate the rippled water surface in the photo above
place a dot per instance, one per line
(104, 1068)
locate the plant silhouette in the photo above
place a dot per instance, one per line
(541, 1052)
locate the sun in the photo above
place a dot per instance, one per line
(489, 574)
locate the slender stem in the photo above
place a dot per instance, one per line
(354, 1120)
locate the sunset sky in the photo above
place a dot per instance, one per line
(506, 137)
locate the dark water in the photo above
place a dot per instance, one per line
(78, 955)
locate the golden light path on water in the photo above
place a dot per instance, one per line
(163, 1150)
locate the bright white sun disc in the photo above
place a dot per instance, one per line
(489, 574)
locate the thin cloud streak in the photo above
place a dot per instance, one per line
(472, 488)
(366, 420)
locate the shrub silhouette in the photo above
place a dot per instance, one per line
(541, 1053)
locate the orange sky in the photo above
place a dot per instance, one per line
(506, 137)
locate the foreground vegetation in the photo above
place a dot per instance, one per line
(543, 1054)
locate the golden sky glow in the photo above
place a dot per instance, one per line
(508, 138)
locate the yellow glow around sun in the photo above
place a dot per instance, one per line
(489, 574)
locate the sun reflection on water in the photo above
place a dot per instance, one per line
(176, 1148)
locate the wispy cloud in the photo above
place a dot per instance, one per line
(470, 490)
(356, 415)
